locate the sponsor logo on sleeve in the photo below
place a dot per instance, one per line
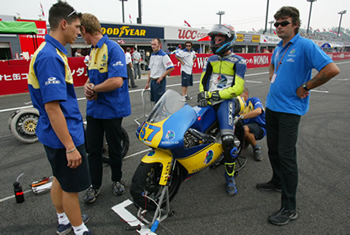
(52, 80)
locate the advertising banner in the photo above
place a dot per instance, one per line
(132, 31)
(190, 34)
(254, 60)
(14, 73)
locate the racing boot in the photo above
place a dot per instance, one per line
(231, 188)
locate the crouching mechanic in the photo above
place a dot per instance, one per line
(253, 117)
(221, 81)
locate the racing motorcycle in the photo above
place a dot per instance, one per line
(184, 141)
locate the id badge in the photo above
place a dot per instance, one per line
(273, 78)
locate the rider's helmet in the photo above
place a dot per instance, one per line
(222, 30)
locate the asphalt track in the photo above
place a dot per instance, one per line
(201, 205)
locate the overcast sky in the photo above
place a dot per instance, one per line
(243, 15)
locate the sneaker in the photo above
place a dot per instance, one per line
(269, 186)
(118, 188)
(91, 195)
(183, 98)
(188, 97)
(258, 153)
(282, 217)
(63, 229)
(231, 188)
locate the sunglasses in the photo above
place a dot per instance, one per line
(70, 14)
(283, 23)
(188, 45)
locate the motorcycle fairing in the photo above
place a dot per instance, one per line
(151, 133)
(165, 158)
(175, 126)
(206, 116)
(201, 159)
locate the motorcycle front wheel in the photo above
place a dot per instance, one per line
(146, 182)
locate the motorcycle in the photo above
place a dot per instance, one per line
(184, 141)
(22, 123)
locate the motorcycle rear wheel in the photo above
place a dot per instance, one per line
(146, 182)
(124, 143)
(22, 124)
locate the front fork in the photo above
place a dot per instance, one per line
(165, 158)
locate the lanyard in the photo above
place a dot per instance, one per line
(280, 62)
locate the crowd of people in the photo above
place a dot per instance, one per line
(111, 72)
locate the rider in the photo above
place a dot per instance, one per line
(221, 81)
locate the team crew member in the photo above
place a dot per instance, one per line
(160, 66)
(288, 99)
(186, 57)
(60, 127)
(253, 117)
(221, 81)
(108, 103)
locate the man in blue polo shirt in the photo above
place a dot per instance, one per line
(288, 99)
(159, 67)
(108, 103)
(60, 127)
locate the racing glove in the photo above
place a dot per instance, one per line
(206, 97)
(202, 99)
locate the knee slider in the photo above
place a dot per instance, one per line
(228, 143)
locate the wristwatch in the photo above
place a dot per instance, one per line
(305, 87)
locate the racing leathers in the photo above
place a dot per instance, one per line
(221, 81)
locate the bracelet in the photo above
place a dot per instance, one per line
(71, 151)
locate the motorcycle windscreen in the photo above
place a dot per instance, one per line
(151, 133)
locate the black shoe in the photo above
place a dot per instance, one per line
(134, 86)
(269, 186)
(282, 217)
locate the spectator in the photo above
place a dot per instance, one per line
(160, 66)
(186, 57)
(288, 99)
(108, 103)
(129, 68)
(137, 63)
(60, 127)
(253, 117)
(78, 53)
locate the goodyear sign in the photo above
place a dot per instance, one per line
(132, 31)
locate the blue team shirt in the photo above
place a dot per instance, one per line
(301, 55)
(107, 60)
(50, 79)
(251, 104)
